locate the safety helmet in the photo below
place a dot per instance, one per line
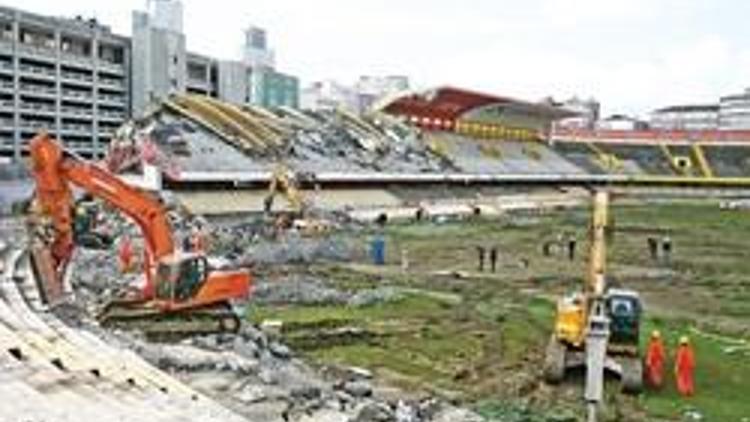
(656, 334)
(684, 340)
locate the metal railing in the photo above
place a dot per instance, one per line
(117, 68)
(38, 89)
(119, 99)
(36, 69)
(35, 124)
(77, 111)
(77, 94)
(72, 127)
(71, 76)
(111, 115)
(112, 83)
(37, 107)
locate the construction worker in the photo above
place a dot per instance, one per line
(684, 368)
(653, 248)
(572, 248)
(655, 357)
(493, 259)
(125, 254)
(481, 251)
(198, 242)
(666, 247)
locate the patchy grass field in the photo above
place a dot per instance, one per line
(480, 337)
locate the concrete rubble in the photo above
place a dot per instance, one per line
(253, 373)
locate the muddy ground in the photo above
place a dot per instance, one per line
(439, 326)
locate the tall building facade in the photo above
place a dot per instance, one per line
(268, 86)
(734, 111)
(686, 117)
(256, 51)
(78, 81)
(166, 14)
(159, 57)
(69, 77)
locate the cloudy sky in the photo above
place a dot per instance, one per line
(633, 55)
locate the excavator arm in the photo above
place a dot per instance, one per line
(55, 170)
(282, 183)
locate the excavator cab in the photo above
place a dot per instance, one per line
(624, 308)
(181, 277)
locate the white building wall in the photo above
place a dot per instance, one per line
(159, 62)
(685, 120)
(734, 112)
(235, 82)
(166, 14)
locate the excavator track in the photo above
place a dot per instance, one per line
(157, 323)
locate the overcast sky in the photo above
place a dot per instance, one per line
(632, 55)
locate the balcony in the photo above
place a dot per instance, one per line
(113, 84)
(107, 132)
(7, 86)
(112, 99)
(7, 104)
(38, 90)
(111, 68)
(36, 125)
(77, 111)
(7, 144)
(79, 95)
(6, 67)
(76, 129)
(37, 108)
(37, 71)
(37, 52)
(77, 61)
(6, 45)
(111, 116)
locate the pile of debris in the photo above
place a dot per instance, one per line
(194, 133)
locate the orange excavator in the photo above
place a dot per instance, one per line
(180, 294)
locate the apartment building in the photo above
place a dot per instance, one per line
(69, 77)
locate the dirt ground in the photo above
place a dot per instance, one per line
(440, 326)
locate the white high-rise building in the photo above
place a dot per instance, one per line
(159, 53)
(166, 14)
(257, 53)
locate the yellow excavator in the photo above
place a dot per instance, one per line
(598, 328)
(284, 182)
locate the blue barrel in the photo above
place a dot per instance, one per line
(378, 250)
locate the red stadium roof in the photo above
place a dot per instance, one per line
(452, 103)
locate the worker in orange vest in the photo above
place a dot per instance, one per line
(125, 254)
(684, 368)
(655, 357)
